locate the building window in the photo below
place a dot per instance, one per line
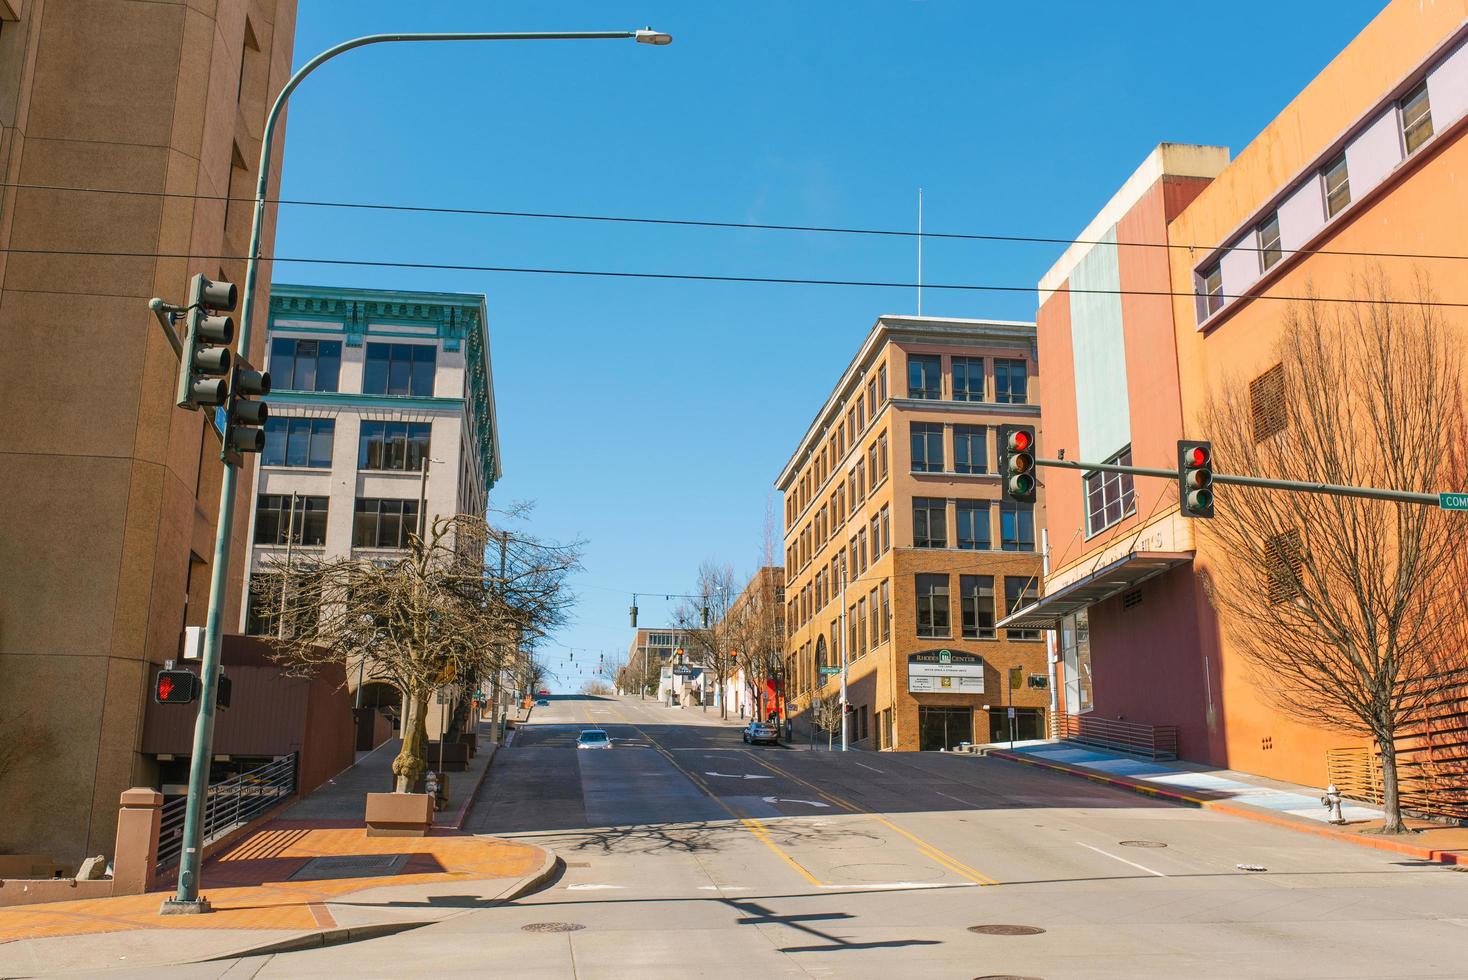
(393, 445)
(886, 530)
(1337, 186)
(1269, 250)
(861, 550)
(305, 365)
(1416, 116)
(1016, 526)
(927, 447)
(384, 523)
(262, 615)
(882, 384)
(273, 519)
(874, 635)
(886, 611)
(860, 624)
(399, 369)
(929, 522)
(872, 398)
(976, 605)
(932, 605)
(1011, 382)
(1210, 291)
(968, 379)
(298, 442)
(1267, 407)
(1282, 564)
(876, 537)
(882, 455)
(973, 525)
(1018, 593)
(924, 376)
(1110, 497)
(970, 449)
(872, 469)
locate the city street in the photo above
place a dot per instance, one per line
(688, 853)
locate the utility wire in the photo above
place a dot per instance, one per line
(693, 277)
(735, 225)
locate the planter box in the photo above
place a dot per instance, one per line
(455, 756)
(399, 814)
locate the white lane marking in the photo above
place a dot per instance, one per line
(865, 766)
(723, 888)
(1123, 860)
(590, 888)
(776, 799)
(736, 775)
(954, 798)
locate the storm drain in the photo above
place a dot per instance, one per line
(1142, 843)
(351, 866)
(552, 927)
(1005, 930)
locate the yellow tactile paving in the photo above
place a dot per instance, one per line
(239, 883)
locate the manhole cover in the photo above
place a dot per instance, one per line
(552, 927)
(1003, 930)
(351, 866)
(1142, 843)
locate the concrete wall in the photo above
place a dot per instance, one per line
(110, 491)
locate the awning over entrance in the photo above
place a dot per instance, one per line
(1122, 574)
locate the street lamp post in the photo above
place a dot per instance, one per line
(186, 899)
(845, 655)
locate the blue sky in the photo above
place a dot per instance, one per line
(650, 418)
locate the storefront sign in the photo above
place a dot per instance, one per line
(945, 672)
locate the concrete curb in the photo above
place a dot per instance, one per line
(334, 937)
(457, 823)
(1241, 810)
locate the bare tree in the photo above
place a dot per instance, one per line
(754, 624)
(438, 615)
(826, 714)
(1348, 610)
(703, 621)
(595, 687)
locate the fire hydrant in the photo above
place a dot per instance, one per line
(1332, 802)
(431, 785)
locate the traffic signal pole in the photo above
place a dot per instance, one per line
(187, 899)
(1295, 486)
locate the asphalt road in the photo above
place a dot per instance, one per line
(689, 854)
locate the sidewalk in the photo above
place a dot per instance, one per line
(309, 878)
(1242, 795)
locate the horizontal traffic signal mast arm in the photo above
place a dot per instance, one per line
(1295, 486)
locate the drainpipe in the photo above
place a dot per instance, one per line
(1051, 656)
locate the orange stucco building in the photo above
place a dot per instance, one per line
(1367, 159)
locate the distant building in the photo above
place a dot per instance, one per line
(382, 404)
(651, 649)
(112, 493)
(1367, 159)
(893, 514)
(759, 680)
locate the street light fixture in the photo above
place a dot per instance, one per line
(186, 899)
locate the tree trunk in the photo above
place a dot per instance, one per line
(1391, 801)
(409, 763)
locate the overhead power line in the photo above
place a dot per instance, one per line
(734, 225)
(696, 277)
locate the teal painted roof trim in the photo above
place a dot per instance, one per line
(458, 319)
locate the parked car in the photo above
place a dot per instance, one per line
(542, 703)
(594, 738)
(761, 732)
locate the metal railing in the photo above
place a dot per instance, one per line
(1156, 742)
(231, 803)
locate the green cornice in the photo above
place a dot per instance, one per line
(351, 399)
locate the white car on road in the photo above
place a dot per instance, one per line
(594, 738)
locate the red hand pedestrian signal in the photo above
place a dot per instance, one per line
(176, 687)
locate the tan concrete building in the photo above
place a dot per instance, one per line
(893, 513)
(110, 491)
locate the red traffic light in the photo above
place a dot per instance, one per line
(1020, 440)
(1196, 456)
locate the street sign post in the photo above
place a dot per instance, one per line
(1452, 501)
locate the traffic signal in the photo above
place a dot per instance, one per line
(244, 418)
(205, 363)
(1017, 462)
(176, 687)
(1195, 478)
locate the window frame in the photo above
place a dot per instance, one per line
(1406, 129)
(1008, 396)
(927, 431)
(977, 594)
(964, 462)
(394, 351)
(1339, 163)
(283, 427)
(1019, 510)
(1029, 589)
(927, 506)
(971, 507)
(313, 512)
(1269, 254)
(966, 364)
(1121, 485)
(405, 505)
(933, 384)
(1210, 290)
(926, 617)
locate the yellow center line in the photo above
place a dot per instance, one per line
(750, 824)
(931, 850)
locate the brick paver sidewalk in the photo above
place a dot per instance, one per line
(250, 886)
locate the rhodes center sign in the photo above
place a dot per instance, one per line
(945, 672)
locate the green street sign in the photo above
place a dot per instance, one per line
(828, 671)
(1452, 501)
